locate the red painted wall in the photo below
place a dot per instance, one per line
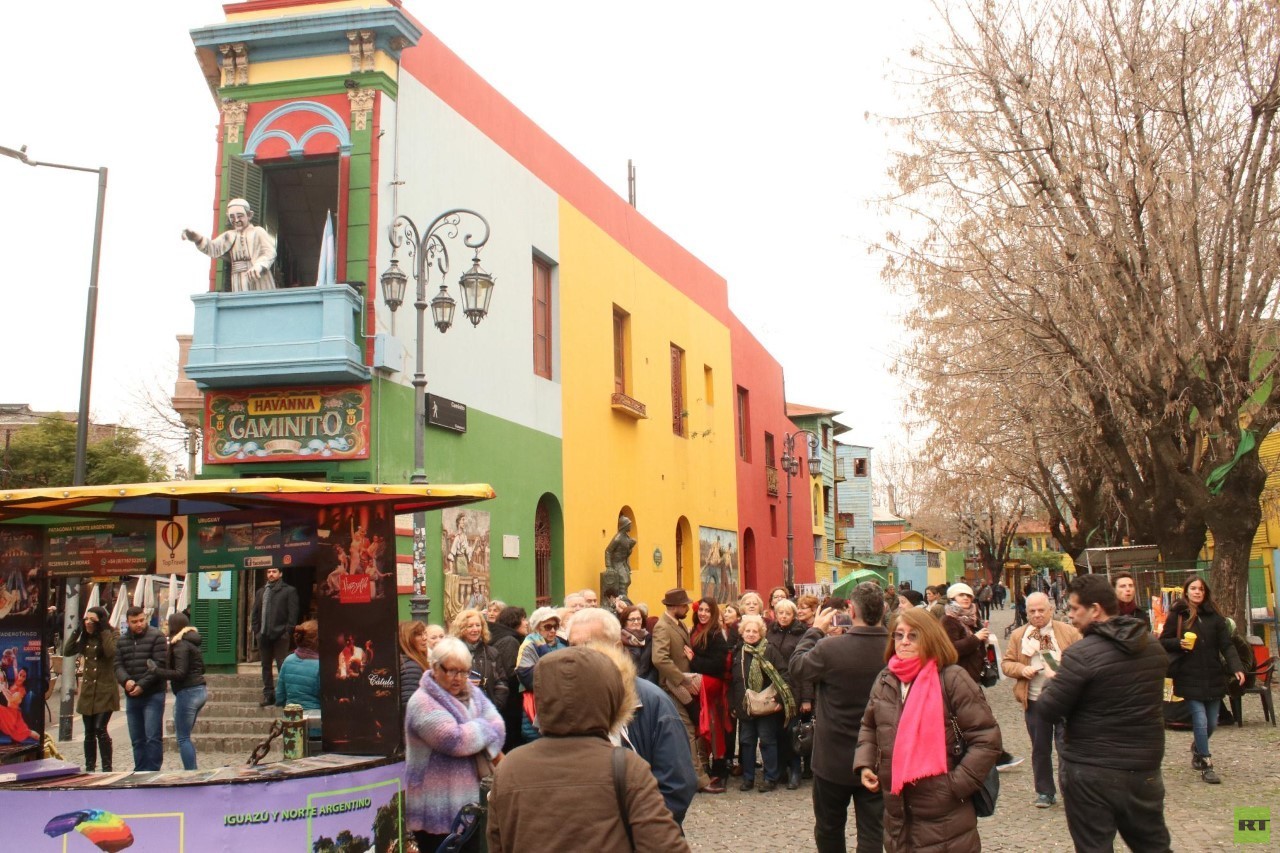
(756, 370)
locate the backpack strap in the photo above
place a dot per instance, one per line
(620, 791)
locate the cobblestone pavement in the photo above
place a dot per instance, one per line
(1200, 816)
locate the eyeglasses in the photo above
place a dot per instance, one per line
(552, 625)
(453, 673)
(912, 637)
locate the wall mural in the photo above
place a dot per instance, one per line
(464, 545)
(718, 557)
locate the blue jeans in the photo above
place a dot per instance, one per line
(186, 707)
(762, 730)
(146, 725)
(1204, 720)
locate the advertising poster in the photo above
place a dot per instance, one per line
(107, 548)
(251, 540)
(718, 557)
(20, 555)
(22, 675)
(359, 658)
(287, 424)
(172, 546)
(465, 554)
(213, 586)
(359, 810)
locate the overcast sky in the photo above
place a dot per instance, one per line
(753, 128)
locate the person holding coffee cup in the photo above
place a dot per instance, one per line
(1197, 638)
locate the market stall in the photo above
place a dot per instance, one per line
(198, 530)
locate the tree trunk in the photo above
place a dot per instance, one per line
(1233, 516)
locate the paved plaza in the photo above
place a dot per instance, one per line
(1199, 815)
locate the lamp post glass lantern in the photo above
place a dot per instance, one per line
(430, 249)
(791, 464)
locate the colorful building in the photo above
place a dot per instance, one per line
(855, 532)
(609, 377)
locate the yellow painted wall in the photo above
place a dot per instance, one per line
(612, 460)
(238, 15)
(308, 67)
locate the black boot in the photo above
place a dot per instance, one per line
(104, 749)
(90, 750)
(793, 779)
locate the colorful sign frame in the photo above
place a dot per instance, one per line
(298, 424)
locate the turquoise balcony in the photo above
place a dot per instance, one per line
(295, 336)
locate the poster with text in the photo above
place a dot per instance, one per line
(359, 658)
(718, 557)
(253, 540)
(107, 548)
(22, 676)
(464, 546)
(20, 557)
(352, 810)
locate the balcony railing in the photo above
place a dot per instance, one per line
(293, 336)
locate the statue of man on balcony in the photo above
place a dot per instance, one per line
(253, 250)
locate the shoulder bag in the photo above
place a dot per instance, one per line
(983, 799)
(760, 703)
(990, 675)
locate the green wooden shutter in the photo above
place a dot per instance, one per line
(216, 621)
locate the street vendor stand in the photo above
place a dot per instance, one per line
(352, 790)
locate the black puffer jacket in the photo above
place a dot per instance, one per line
(410, 677)
(131, 659)
(493, 676)
(506, 642)
(186, 661)
(785, 640)
(1198, 674)
(1110, 690)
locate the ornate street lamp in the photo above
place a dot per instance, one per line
(430, 249)
(791, 464)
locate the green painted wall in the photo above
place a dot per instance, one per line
(521, 465)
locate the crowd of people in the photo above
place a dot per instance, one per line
(879, 699)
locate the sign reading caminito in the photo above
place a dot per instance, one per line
(280, 424)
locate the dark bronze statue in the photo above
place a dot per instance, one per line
(617, 568)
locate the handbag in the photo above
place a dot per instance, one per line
(762, 703)
(990, 675)
(985, 797)
(802, 738)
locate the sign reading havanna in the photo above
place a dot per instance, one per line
(274, 424)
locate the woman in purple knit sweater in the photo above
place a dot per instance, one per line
(452, 731)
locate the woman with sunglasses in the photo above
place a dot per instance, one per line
(452, 732)
(907, 745)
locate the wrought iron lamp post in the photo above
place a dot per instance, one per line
(429, 249)
(71, 601)
(791, 464)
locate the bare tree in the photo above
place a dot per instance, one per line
(1098, 183)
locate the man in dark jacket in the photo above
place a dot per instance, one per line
(844, 669)
(144, 689)
(275, 612)
(1110, 690)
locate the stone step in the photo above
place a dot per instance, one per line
(234, 694)
(228, 726)
(209, 744)
(238, 710)
(241, 679)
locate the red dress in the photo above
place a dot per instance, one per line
(11, 722)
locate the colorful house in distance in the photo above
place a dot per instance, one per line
(855, 532)
(920, 559)
(822, 485)
(608, 379)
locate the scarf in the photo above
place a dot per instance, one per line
(635, 637)
(306, 654)
(968, 618)
(1037, 640)
(1127, 607)
(762, 668)
(920, 744)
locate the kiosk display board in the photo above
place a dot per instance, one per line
(22, 663)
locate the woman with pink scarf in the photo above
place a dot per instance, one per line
(907, 746)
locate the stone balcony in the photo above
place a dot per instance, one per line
(293, 336)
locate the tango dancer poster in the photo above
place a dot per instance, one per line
(465, 556)
(718, 557)
(22, 670)
(359, 661)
